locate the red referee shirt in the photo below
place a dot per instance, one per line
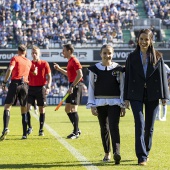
(72, 66)
(40, 78)
(22, 67)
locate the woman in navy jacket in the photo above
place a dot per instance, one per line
(145, 83)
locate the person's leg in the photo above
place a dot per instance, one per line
(72, 103)
(164, 110)
(68, 111)
(6, 118)
(140, 148)
(41, 100)
(75, 118)
(9, 101)
(24, 121)
(150, 114)
(41, 120)
(104, 129)
(114, 117)
(29, 116)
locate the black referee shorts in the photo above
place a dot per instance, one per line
(37, 93)
(17, 90)
(76, 96)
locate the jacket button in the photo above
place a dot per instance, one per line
(156, 80)
(157, 90)
(132, 90)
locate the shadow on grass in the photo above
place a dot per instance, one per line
(63, 164)
(88, 121)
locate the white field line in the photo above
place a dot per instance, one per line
(82, 159)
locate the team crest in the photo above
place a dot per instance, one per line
(114, 73)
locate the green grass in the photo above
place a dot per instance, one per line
(47, 152)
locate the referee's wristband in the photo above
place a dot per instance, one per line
(72, 85)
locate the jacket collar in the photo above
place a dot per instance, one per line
(137, 65)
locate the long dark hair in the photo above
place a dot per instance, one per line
(154, 55)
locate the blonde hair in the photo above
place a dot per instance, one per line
(35, 48)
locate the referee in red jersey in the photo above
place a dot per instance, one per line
(74, 74)
(39, 87)
(18, 69)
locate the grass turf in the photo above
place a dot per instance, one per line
(47, 152)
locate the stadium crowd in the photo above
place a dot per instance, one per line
(42, 22)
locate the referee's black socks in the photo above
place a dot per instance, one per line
(76, 121)
(29, 119)
(6, 118)
(70, 115)
(24, 123)
(42, 120)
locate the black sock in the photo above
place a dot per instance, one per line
(24, 124)
(42, 120)
(70, 115)
(29, 119)
(76, 121)
(6, 118)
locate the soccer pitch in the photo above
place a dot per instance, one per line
(53, 151)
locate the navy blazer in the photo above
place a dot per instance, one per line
(155, 81)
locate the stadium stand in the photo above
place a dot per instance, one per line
(85, 23)
(48, 22)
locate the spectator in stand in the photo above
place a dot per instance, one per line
(99, 38)
(46, 43)
(17, 8)
(4, 42)
(131, 43)
(62, 16)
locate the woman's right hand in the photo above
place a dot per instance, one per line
(94, 111)
(127, 104)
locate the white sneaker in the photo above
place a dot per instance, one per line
(30, 108)
(158, 118)
(36, 112)
(72, 136)
(4, 134)
(163, 119)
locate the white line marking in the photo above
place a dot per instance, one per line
(82, 159)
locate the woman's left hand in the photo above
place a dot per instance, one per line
(163, 102)
(94, 111)
(122, 112)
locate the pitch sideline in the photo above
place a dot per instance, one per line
(82, 159)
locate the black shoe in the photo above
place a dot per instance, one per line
(4, 134)
(79, 132)
(29, 131)
(24, 137)
(117, 158)
(41, 132)
(72, 136)
(106, 159)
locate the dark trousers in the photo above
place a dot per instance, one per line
(109, 117)
(144, 126)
